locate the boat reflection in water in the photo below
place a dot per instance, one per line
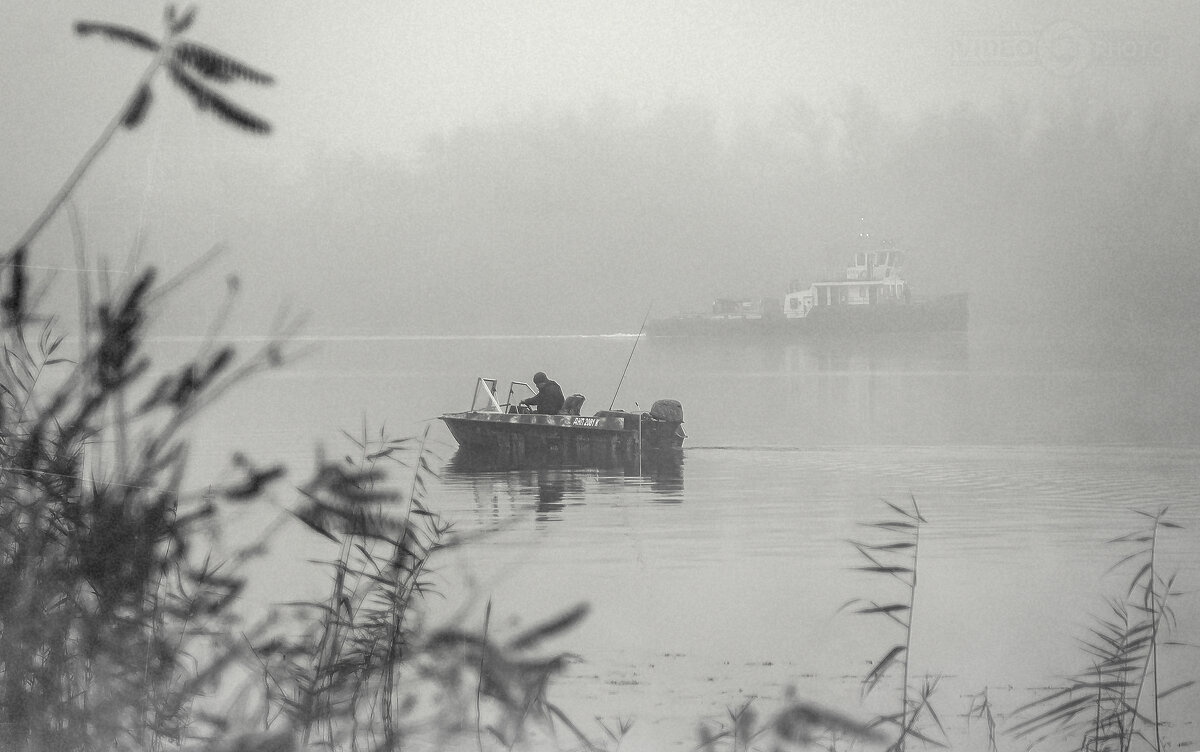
(502, 483)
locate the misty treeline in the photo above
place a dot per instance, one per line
(1061, 211)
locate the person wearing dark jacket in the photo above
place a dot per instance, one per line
(549, 399)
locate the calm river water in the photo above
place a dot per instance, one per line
(721, 579)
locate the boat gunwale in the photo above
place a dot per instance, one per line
(614, 423)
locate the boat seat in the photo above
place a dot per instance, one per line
(571, 405)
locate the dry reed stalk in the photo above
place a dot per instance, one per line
(896, 558)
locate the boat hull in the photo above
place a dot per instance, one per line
(610, 436)
(945, 314)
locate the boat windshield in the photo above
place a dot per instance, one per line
(519, 392)
(490, 403)
(488, 387)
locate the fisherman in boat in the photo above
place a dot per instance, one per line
(549, 399)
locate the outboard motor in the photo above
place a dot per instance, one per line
(663, 427)
(667, 409)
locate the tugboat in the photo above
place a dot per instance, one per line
(872, 297)
(506, 430)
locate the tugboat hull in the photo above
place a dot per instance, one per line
(946, 314)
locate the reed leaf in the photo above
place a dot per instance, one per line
(217, 66)
(917, 509)
(382, 453)
(1176, 688)
(1139, 577)
(14, 302)
(1061, 713)
(867, 555)
(876, 674)
(310, 516)
(885, 609)
(903, 512)
(1149, 515)
(179, 23)
(893, 525)
(208, 100)
(138, 108)
(254, 484)
(909, 731)
(118, 33)
(1138, 537)
(886, 569)
(545, 630)
(902, 546)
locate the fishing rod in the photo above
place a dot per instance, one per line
(631, 352)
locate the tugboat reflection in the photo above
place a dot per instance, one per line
(552, 487)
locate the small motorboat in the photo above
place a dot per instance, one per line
(505, 429)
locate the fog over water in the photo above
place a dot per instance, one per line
(455, 168)
(457, 189)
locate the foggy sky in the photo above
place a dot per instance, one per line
(551, 167)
